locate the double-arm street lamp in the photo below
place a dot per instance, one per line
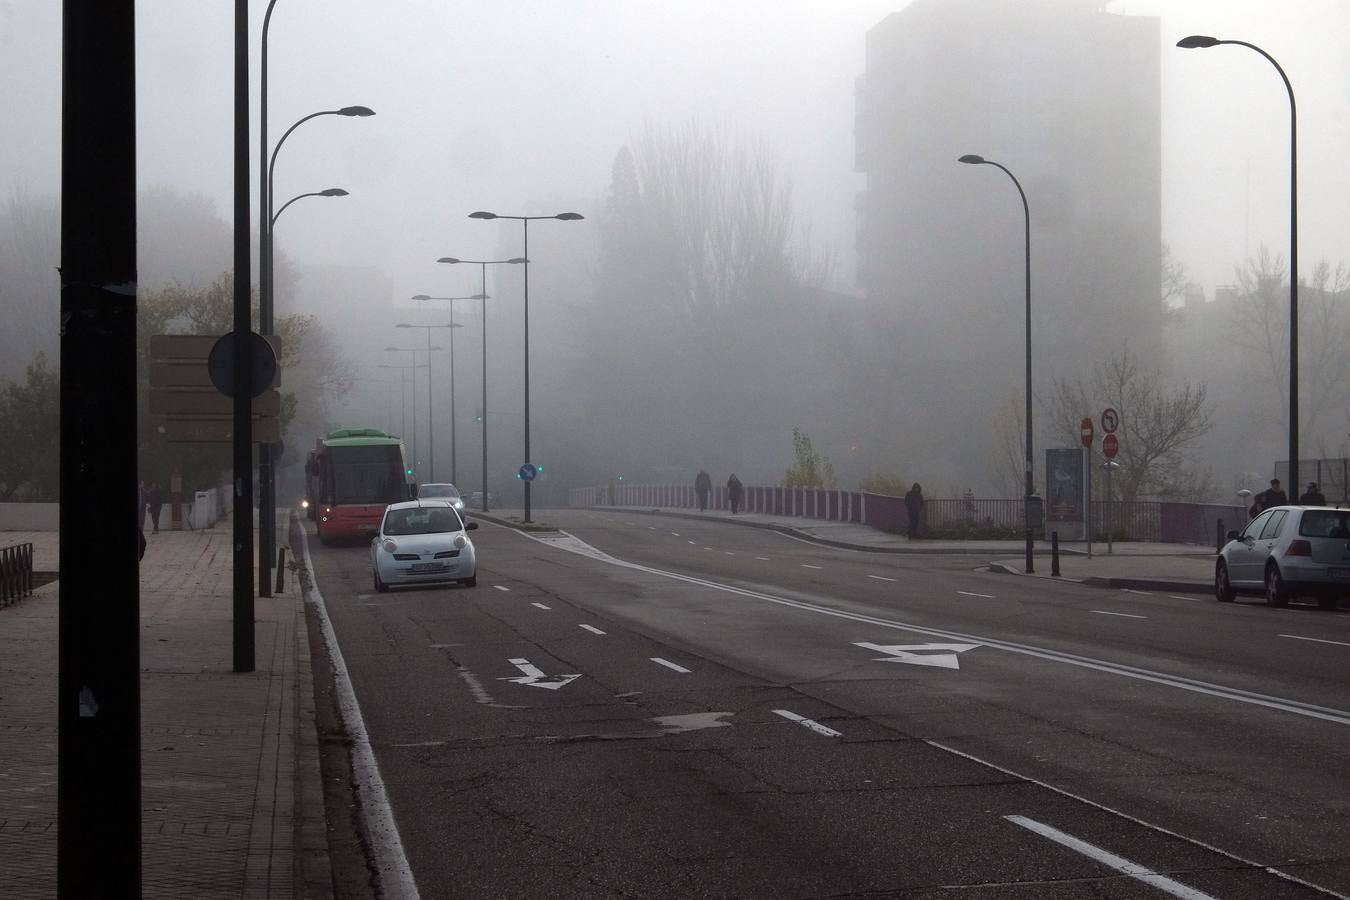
(414, 366)
(402, 394)
(974, 160)
(431, 426)
(525, 221)
(483, 264)
(1201, 42)
(450, 310)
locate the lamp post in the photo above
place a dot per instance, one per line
(430, 427)
(414, 366)
(266, 217)
(402, 394)
(483, 264)
(525, 221)
(1030, 490)
(1201, 42)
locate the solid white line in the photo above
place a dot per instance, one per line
(1175, 597)
(809, 723)
(541, 606)
(501, 587)
(1119, 863)
(668, 664)
(1299, 637)
(881, 578)
(1207, 688)
(1102, 612)
(981, 596)
(391, 863)
(809, 566)
(591, 628)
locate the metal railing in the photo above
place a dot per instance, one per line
(16, 573)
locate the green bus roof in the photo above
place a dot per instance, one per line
(359, 437)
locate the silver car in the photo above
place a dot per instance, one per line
(423, 542)
(441, 491)
(1288, 551)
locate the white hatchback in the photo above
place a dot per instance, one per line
(1288, 551)
(423, 542)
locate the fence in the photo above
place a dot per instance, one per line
(16, 573)
(965, 517)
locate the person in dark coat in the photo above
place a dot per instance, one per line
(702, 488)
(734, 493)
(1272, 496)
(1312, 496)
(140, 520)
(914, 508)
(154, 501)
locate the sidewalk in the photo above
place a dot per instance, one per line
(1141, 566)
(232, 802)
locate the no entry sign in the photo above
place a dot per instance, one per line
(1110, 446)
(1085, 432)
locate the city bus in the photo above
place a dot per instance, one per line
(351, 475)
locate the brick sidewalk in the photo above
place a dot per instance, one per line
(232, 800)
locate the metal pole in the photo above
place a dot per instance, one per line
(484, 423)
(454, 464)
(431, 428)
(98, 801)
(527, 362)
(413, 373)
(1087, 505)
(1110, 535)
(267, 538)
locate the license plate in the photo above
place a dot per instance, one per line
(1338, 573)
(426, 567)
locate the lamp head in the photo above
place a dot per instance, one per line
(482, 215)
(479, 297)
(972, 159)
(403, 325)
(569, 217)
(1195, 41)
(421, 297)
(449, 259)
(517, 260)
(333, 192)
(362, 112)
(392, 349)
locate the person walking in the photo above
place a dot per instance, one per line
(702, 488)
(1312, 496)
(914, 508)
(154, 501)
(1272, 496)
(140, 520)
(734, 493)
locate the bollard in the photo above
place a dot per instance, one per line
(281, 569)
(1218, 536)
(1054, 553)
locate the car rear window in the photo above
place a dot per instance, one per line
(1325, 523)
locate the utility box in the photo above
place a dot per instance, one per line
(1035, 512)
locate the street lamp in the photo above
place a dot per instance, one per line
(402, 394)
(431, 427)
(1202, 42)
(525, 221)
(414, 366)
(326, 192)
(974, 160)
(483, 264)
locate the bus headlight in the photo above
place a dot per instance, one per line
(304, 504)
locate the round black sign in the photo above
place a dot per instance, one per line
(220, 364)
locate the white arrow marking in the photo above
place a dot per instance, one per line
(903, 653)
(535, 678)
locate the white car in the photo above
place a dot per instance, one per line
(1285, 552)
(441, 491)
(423, 542)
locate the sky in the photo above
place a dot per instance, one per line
(520, 106)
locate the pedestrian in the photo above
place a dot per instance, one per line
(702, 488)
(140, 520)
(1312, 496)
(1272, 496)
(734, 493)
(154, 501)
(914, 508)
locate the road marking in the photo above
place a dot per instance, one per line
(707, 548)
(1106, 858)
(591, 628)
(651, 527)
(1299, 637)
(903, 653)
(676, 533)
(809, 566)
(1133, 591)
(1103, 612)
(502, 587)
(480, 694)
(571, 544)
(391, 863)
(1175, 597)
(692, 722)
(809, 723)
(541, 606)
(728, 553)
(668, 664)
(881, 578)
(532, 676)
(687, 541)
(981, 596)
(762, 558)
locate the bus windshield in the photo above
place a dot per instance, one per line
(366, 475)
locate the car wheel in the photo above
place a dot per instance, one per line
(1276, 593)
(471, 581)
(1223, 588)
(380, 586)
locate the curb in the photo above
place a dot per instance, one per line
(533, 527)
(1097, 581)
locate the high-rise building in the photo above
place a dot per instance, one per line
(1067, 97)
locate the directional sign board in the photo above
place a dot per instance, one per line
(1085, 432)
(214, 429)
(1110, 420)
(1110, 446)
(185, 403)
(208, 402)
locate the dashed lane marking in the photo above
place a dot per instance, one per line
(762, 558)
(807, 723)
(973, 594)
(502, 587)
(1299, 637)
(675, 533)
(541, 606)
(1133, 591)
(591, 628)
(881, 578)
(687, 541)
(1106, 612)
(668, 664)
(809, 566)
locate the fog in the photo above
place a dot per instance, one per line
(711, 300)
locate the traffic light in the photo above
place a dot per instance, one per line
(410, 471)
(478, 414)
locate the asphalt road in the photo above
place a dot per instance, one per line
(755, 716)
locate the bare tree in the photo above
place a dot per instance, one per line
(1159, 423)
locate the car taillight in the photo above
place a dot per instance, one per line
(389, 545)
(1299, 548)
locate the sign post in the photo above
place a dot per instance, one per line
(1086, 435)
(1110, 447)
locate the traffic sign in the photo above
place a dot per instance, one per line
(1085, 432)
(214, 429)
(220, 364)
(205, 403)
(1110, 446)
(527, 472)
(1110, 420)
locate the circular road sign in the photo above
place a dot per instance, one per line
(527, 472)
(220, 364)
(1110, 420)
(1110, 446)
(1085, 432)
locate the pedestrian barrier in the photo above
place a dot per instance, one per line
(16, 573)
